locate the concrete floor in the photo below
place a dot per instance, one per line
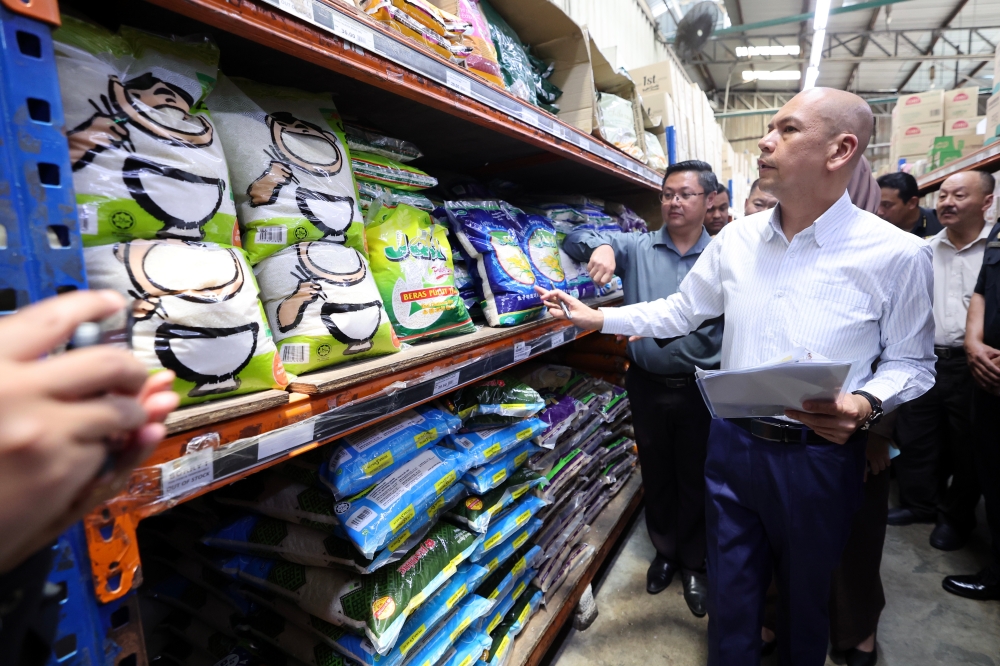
(921, 624)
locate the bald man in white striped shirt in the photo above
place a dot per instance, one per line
(815, 272)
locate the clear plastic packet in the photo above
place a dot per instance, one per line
(384, 171)
(370, 141)
(617, 124)
(502, 395)
(655, 156)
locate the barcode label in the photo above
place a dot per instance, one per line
(295, 352)
(458, 82)
(87, 213)
(272, 235)
(360, 519)
(186, 473)
(521, 351)
(354, 33)
(446, 383)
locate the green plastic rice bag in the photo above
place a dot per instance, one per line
(385, 171)
(503, 395)
(413, 267)
(146, 158)
(290, 166)
(514, 622)
(369, 192)
(323, 305)
(196, 313)
(368, 456)
(376, 604)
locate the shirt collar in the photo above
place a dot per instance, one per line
(663, 238)
(824, 225)
(942, 237)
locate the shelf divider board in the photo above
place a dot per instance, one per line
(987, 159)
(334, 36)
(543, 628)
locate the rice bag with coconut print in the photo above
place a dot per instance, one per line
(324, 306)
(368, 456)
(195, 312)
(541, 245)
(376, 604)
(146, 156)
(414, 271)
(290, 166)
(490, 236)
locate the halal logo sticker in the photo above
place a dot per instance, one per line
(341, 507)
(122, 221)
(323, 350)
(301, 233)
(383, 608)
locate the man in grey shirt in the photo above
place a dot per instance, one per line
(670, 418)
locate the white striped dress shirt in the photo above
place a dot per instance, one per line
(851, 287)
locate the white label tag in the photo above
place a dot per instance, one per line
(458, 82)
(406, 476)
(555, 340)
(284, 439)
(272, 236)
(295, 352)
(356, 34)
(446, 383)
(186, 473)
(301, 8)
(521, 351)
(87, 213)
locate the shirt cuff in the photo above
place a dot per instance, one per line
(615, 321)
(884, 391)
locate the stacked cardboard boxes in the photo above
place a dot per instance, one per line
(993, 105)
(917, 120)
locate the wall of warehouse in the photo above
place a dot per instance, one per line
(621, 24)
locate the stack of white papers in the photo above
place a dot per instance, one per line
(770, 389)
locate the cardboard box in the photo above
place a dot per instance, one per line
(993, 116)
(961, 103)
(916, 143)
(608, 80)
(922, 107)
(961, 125)
(996, 69)
(918, 129)
(657, 79)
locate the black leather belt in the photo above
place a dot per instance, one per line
(948, 353)
(788, 433)
(671, 381)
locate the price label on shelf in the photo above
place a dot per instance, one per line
(457, 81)
(445, 383)
(284, 439)
(530, 117)
(555, 340)
(569, 335)
(354, 32)
(186, 473)
(521, 352)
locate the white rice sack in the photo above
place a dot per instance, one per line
(196, 313)
(290, 166)
(146, 158)
(323, 305)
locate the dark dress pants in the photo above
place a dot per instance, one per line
(781, 509)
(671, 432)
(987, 427)
(935, 436)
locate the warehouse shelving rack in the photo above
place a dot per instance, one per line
(211, 445)
(987, 159)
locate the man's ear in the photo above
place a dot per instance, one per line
(914, 202)
(846, 148)
(987, 202)
(709, 200)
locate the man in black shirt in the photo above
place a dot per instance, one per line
(900, 205)
(982, 349)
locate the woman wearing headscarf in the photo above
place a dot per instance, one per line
(856, 594)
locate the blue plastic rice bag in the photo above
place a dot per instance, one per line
(372, 520)
(490, 238)
(476, 511)
(508, 522)
(540, 243)
(368, 456)
(511, 548)
(482, 446)
(513, 624)
(434, 647)
(511, 585)
(467, 649)
(487, 477)
(376, 604)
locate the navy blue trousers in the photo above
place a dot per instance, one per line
(781, 509)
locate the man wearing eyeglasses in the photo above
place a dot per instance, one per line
(670, 418)
(814, 272)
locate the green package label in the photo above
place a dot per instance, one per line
(290, 166)
(390, 173)
(324, 306)
(145, 157)
(413, 267)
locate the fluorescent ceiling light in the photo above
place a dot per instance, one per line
(751, 51)
(821, 15)
(765, 75)
(817, 48)
(812, 74)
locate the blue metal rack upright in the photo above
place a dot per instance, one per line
(41, 255)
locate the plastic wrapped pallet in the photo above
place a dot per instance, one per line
(324, 306)
(413, 266)
(195, 312)
(290, 166)
(146, 157)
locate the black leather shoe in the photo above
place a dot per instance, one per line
(946, 537)
(695, 593)
(983, 586)
(855, 657)
(659, 575)
(904, 516)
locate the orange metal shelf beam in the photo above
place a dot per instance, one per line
(267, 26)
(985, 159)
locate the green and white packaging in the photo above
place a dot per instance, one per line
(290, 166)
(146, 158)
(415, 273)
(323, 305)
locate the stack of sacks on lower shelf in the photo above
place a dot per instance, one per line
(603, 356)
(155, 205)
